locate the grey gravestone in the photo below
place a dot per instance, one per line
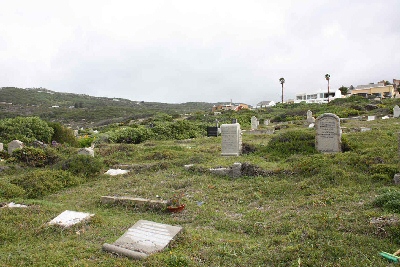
(143, 239)
(1, 146)
(254, 123)
(86, 151)
(15, 144)
(310, 118)
(371, 118)
(396, 111)
(266, 122)
(231, 139)
(212, 131)
(328, 133)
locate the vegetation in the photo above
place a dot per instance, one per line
(293, 206)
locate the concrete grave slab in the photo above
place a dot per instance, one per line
(113, 172)
(14, 205)
(134, 201)
(143, 238)
(68, 218)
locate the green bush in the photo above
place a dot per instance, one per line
(9, 190)
(34, 157)
(62, 134)
(85, 141)
(130, 135)
(292, 142)
(39, 183)
(83, 165)
(390, 201)
(26, 129)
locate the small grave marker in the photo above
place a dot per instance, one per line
(13, 145)
(212, 131)
(396, 111)
(254, 123)
(86, 151)
(143, 239)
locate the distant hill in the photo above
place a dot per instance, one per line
(80, 110)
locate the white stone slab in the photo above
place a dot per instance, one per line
(1, 146)
(371, 118)
(143, 239)
(113, 172)
(254, 123)
(396, 111)
(14, 205)
(68, 218)
(86, 151)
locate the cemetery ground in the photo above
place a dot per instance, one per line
(289, 209)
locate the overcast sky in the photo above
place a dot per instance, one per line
(177, 51)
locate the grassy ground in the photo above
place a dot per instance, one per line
(310, 210)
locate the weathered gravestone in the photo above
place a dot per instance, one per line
(13, 145)
(212, 131)
(1, 146)
(231, 139)
(143, 239)
(86, 151)
(254, 123)
(310, 118)
(371, 118)
(266, 122)
(396, 111)
(328, 133)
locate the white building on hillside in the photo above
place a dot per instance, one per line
(317, 97)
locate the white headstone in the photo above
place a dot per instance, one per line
(13, 145)
(1, 146)
(231, 139)
(396, 111)
(328, 133)
(86, 151)
(310, 118)
(371, 118)
(266, 122)
(68, 218)
(254, 123)
(143, 239)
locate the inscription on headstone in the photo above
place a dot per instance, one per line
(231, 139)
(396, 111)
(143, 239)
(328, 133)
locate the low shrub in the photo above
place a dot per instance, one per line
(9, 190)
(389, 200)
(39, 183)
(292, 142)
(34, 157)
(130, 135)
(83, 165)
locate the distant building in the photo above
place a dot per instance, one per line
(264, 104)
(317, 97)
(374, 89)
(231, 106)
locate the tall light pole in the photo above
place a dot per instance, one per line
(282, 81)
(328, 77)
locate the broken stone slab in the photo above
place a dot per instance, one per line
(138, 202)
(14, 205)
(68, 218)
(142, 239)
(234, 171)
(114, 172)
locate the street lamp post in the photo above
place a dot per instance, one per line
(328, 77)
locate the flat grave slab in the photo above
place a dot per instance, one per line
(143, 239)
(68, 218)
